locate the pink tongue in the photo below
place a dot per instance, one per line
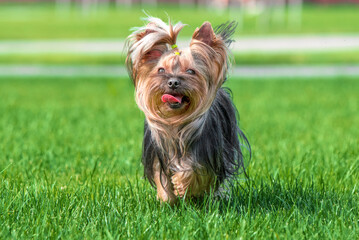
(171, 99)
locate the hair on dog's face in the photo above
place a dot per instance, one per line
(192, 75)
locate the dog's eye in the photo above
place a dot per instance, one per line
(190, 71)
(161, 70)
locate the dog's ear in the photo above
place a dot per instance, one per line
(151, 54)
(204, 34)
(142, 49)
(211, 49)
(146, 45)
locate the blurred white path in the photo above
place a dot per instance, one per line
(241, 72)
(306, 43)
(267, 44)
(273, 44)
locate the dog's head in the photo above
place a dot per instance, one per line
(173, 85)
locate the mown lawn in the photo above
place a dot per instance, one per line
(45, 21)
(70, 164)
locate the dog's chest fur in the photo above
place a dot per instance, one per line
(213, 145)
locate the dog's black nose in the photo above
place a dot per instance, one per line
(173, 83)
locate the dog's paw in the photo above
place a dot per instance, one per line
(180, 184)
(191, 184)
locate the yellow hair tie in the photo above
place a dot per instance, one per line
(174, 46)
(177, 53)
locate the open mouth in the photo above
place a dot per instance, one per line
(174, 101)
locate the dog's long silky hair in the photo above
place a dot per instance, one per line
(204, 136)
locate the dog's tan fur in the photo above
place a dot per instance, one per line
(173, 129)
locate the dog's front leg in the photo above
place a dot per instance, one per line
(164, 185)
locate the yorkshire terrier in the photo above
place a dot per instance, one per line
(192, 142)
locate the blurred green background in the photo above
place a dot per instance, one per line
(54, 21)
(71, 133)
(103, 20)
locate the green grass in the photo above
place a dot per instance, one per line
(70, 164)
(44, 21)
(336, 57)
